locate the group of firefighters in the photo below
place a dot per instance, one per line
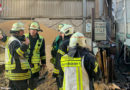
(75, 67)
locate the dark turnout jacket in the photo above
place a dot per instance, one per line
(32, 46)
(14, 45)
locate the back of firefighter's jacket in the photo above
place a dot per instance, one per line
(75, 75)
(11, 63)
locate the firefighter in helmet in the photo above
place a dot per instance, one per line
(17, 68)
(67, 31)
(36, 53)
(79, 65)
(56, 43)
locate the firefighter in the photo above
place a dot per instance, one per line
(17, 68)
(56, 43)
(67, 30)
(79, 65)
(36, 53)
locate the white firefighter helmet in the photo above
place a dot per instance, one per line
(35, 26)
(67, 29)
(17, 27)
(60, 26)
(78, 39)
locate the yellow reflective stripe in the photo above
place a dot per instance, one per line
(60, 88)
(9, 66)
(71, 63)
(61, 52)
(96, 67)
(35, 60)
(77, 75)
(9, 55)
(81, 79)
(77, 58)
(20, 52)
(36, 68)
(24, 65)
(30, 89)
(43, 57)
(68, 59)
(18, 76)
(56, 71)
(64, 81)
(65, 58)
(35, 57)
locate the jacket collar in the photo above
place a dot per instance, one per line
(77, 51)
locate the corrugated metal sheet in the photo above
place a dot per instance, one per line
(121, 19)
(44, 8)
(128, 16)
(123, 16)
(120, 16)
(128, 11)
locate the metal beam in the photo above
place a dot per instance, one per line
(84, 15)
